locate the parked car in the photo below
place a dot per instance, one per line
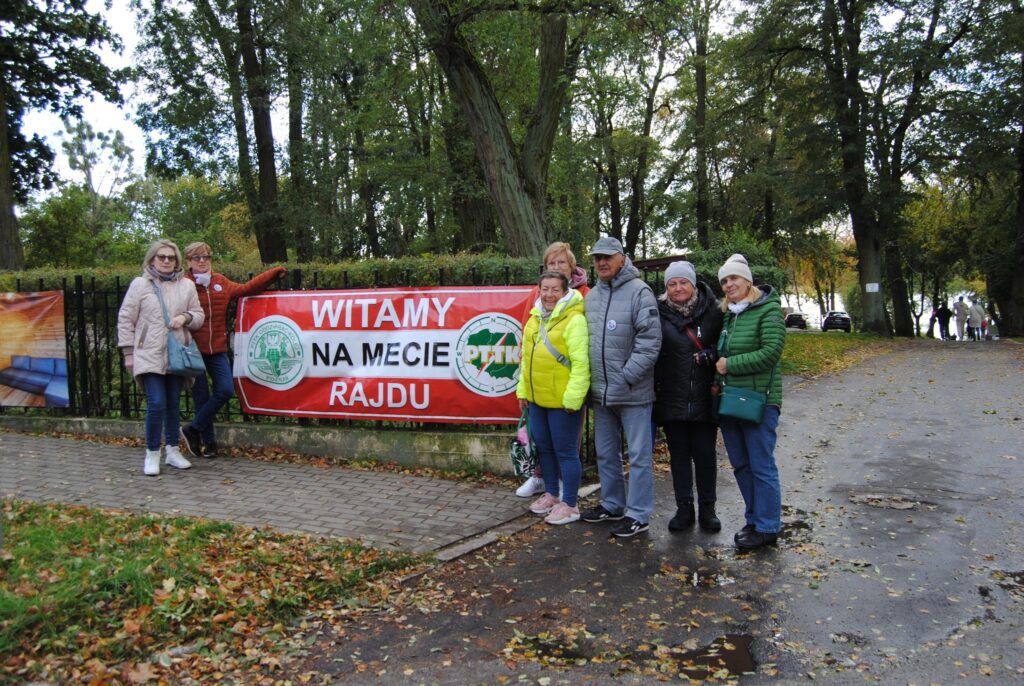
(796, 320)
(839, 321)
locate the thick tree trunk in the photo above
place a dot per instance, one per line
(11, 254)
(635, 227)
(515, 182)
(471, 204)
(267, 222)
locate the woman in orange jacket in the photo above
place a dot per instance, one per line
(216, 292)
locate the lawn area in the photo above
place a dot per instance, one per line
(105, 597)
(811, 354)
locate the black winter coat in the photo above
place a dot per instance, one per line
(683, 389)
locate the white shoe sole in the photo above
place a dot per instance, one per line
(567, 520)
(179, 465)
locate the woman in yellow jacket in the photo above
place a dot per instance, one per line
(553, 381)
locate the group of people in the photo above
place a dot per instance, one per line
(646, 362)
(971, 320)
(191, 302)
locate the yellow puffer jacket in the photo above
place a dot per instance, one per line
(542, 380)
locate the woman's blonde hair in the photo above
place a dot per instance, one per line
(752, 295)
(557, 247)
(155, 246)
(193, 248)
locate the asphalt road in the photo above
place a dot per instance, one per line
(901, 561)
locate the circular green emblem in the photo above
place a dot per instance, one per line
(487, 354)
(274, 355)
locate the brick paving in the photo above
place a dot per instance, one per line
(398, 511)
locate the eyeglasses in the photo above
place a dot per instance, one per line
(201, 258)
(165, 258)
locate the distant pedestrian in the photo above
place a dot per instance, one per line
(691, 323)
(750, 350)
(944, 314)
(215, 292)
(161, 291)
(625, 336)
(557, 257)
(553, 382)
(975, 320)
(962, 310)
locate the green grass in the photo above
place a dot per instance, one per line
(84, 586)
(811, 354)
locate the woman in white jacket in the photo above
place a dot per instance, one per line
(142, 337)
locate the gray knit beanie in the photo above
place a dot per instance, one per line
(681, 270)
(736, 265)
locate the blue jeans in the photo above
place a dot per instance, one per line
(556, 436)
(162, 394)
(207, 406)
(751, 449)
(610, 423)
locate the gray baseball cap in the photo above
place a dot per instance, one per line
(607, 246)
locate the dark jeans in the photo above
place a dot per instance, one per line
(162, 394)
(691, 446)
(218, 366)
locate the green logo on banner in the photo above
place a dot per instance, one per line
(487, 354)
(274, 355)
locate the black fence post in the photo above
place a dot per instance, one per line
(83, 346)
(297, 279)
(508, 275)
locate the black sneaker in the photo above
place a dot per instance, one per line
(210, 450)
(193, 441)
(628, 527)
(599, 514)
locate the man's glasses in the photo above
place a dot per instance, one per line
(165, 258)
(201, 258)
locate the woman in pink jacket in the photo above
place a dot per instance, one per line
(142, 337)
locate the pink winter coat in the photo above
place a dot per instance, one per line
(141, 330)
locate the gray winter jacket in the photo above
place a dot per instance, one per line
(625, 338)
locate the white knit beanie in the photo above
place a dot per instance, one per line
(736, 265)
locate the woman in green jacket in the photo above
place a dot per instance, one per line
(749, 351)
(553, 381)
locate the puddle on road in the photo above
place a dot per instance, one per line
(726, 655)
(1010, 581)
(890, 501)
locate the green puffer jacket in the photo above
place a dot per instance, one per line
(542, 379)
(753, 341)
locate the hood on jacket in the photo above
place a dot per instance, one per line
(574, 298)
(578, 278)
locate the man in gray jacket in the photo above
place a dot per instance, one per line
(625, 338)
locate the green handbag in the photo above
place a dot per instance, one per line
(743, 403)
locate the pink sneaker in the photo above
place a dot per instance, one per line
(543, 504)
(563, 514)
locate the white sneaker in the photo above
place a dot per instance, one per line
(531, 487)
(176, 459)
(151, 467)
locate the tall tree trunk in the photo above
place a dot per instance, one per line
(229, 52)
(842, 67)
(11, 254)
(1012, 323)
(304, 248)
(635, 227)
(517, 180)
(471, 204)
(700, 142)
(267, 222)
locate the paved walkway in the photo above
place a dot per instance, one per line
(397, 511)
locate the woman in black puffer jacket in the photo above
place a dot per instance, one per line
(691, 322)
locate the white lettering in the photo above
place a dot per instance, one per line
(442, 309)
(415, 313)
(365, 303)
(394, 395)
(386, 313)
(329, 311)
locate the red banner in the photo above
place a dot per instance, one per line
(402, 354)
